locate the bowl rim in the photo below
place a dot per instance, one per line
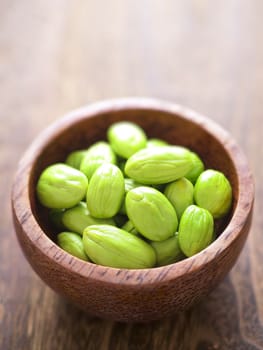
(52, 251)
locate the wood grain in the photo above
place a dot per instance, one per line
(55, 56)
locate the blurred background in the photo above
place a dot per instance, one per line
(59, 55)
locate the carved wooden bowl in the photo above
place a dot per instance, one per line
(120, 294)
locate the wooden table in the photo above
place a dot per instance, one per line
(59, 55)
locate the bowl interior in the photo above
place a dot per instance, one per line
(84, 130)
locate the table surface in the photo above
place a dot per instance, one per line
(58, 55)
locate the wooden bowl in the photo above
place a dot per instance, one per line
(120, 294)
